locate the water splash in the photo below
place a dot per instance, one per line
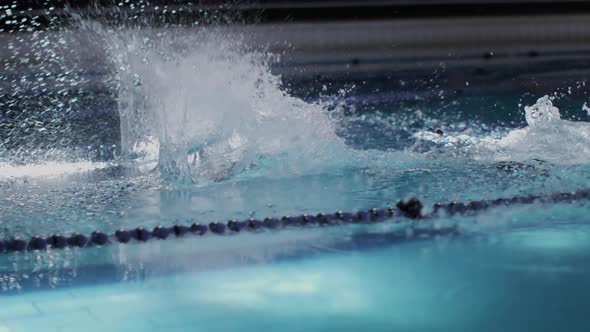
(547, 137)
(543, 112)
(200, 105)
(194, 105)
(213, 108)
(47, 169)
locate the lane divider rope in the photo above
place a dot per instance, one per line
(404, 210)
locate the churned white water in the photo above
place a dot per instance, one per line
(208, 107)
(199, 106)
(47, 169)
(208, 133)
(546, 137)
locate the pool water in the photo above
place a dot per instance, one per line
(523, 280)
(128, 127)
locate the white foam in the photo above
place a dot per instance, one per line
(547, 137)
(543, 112)
(47, 169)
(214, 108)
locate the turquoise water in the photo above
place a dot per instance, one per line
(535, 279)
(129, 127)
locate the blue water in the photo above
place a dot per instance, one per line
(534, 279)
(513, 269)
(120, 129)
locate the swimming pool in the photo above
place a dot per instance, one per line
(175, 127)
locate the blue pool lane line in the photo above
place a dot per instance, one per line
(410, 209)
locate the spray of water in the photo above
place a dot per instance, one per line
(193, 104)
(207, 107)
(200, 105)
(547, 137)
